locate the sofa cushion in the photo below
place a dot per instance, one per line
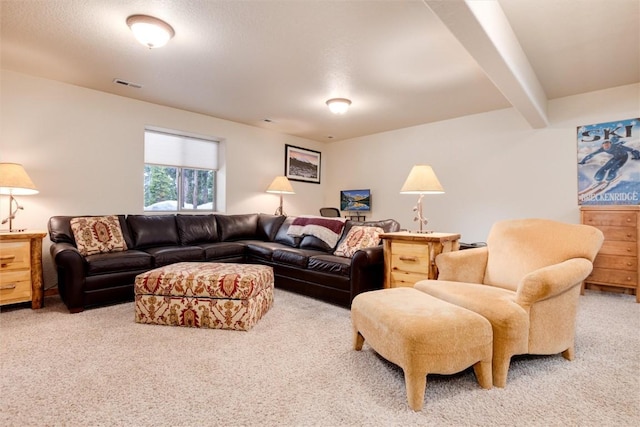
(295, 257)
(153, 230)
(165, 255)
(358, 237)
(119, 261)
(268, 226)
(222, 250)
(330, 264)
(194, 229)
(237, 227)
(98, 234)
(282, 236)
(312, 242)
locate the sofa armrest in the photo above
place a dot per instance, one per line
(71, 269)
(552, 280)
(367, 270)
(467, 265)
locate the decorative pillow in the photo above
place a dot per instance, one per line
(359, 237)
(98, 234)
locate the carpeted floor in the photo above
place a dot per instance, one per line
(296, 367)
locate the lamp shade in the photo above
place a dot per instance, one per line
(15, 181)
(422, 180)
(280, 185)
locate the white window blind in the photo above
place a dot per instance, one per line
(167, 149)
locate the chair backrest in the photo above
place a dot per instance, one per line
(518, 247)
(330, 212)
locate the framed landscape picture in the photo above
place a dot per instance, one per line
(302, 164)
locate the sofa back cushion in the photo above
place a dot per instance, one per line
(237, 227)
(283, 237)
(194, 229)
(60, 229)
(268, 226)
(153, 230)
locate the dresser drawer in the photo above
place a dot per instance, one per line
(15, 255)
(619, 248)
(625, 234)
(613, 277)
(410, 257)
(616, 262)
(15, 286)
(611, 218)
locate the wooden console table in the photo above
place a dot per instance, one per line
(21, 268)
(410, 257)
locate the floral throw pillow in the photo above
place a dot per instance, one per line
(98, 234)
(358, 237)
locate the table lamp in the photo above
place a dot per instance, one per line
(14, 181)
(280, 185)
(421, 180)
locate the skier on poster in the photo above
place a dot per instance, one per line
(608, 173)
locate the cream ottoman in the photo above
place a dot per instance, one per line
(204, 295)
(423, 335)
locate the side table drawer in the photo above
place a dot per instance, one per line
(15, 256)
(410, 257)
(403, 278)
(15, 286)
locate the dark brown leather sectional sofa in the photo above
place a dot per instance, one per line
(304, 265)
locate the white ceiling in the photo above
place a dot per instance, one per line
(402, 63)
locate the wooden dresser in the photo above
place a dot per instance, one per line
(21, 268)
(410, 257)
(616, 266)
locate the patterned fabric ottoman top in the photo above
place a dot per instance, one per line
(205, 279)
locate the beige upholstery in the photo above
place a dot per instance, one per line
(423, 335)
(526, 282)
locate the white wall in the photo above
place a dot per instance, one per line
(492, 165)
(83, 149)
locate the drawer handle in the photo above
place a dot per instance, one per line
(408, 258)
(6, 259)
(628, 249)
(629, 264)
(9, 286)
(628, 279)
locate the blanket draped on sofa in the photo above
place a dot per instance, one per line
(326, 229)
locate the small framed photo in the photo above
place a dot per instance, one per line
(302, 164)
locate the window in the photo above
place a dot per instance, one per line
(179, 172)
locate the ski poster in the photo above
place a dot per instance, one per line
(609, 163)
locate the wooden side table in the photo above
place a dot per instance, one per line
(21, 268)
(410, 257)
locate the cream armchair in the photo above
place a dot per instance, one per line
(526, 282)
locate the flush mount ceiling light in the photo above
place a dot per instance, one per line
(338, 105)
(150, 31)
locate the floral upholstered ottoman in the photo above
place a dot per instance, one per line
(204, 295)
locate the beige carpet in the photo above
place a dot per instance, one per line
(294, 368)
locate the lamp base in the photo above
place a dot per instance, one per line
(13, 230)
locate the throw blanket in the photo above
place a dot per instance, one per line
(326, 229)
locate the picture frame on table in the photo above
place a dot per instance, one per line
(302, 164)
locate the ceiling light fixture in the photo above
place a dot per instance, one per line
(338, 105)
(150, 31)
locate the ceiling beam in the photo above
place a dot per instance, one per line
(484, 31)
